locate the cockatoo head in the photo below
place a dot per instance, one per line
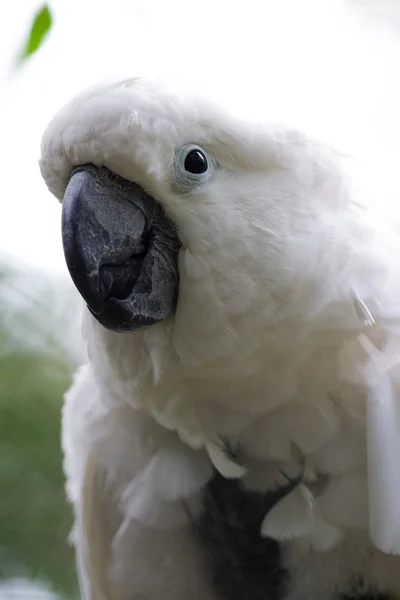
(174, 209)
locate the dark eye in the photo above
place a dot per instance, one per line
(196, 162)
(193, 167)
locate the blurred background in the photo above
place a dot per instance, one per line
(331, 67)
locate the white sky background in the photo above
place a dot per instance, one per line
(332, 67)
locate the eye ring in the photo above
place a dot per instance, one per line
(193, 166)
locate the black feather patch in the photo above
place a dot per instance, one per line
(243, 565)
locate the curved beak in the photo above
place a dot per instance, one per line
(120, 248)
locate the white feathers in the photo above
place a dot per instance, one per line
(135, 499)
(370, 366)
(345, 502)
(320, 520)
(384, 465)
(270, 351)
(221, 461)
(94, 542)
(173, 478)
(324, 537)
(292, 517)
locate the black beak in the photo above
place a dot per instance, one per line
(120, 248)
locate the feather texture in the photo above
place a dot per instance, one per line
(94, 548)
(289, 298)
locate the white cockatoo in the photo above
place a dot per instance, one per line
(235, 431)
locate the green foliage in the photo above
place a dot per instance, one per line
(40, 27)
(35, 519)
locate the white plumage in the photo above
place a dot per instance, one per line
(285, 335)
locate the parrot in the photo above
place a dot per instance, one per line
(234, 431)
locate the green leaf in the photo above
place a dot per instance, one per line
(41, 25)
